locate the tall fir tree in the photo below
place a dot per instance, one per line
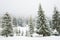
(42, 27)
(6, 25)
(31, 27)
(56, 20)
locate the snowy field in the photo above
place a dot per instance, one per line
(30, 38)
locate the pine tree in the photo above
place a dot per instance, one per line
(6, 25)
(31, 28)
(14, 21)
(56, 20)
(58, 28)
(42, 27)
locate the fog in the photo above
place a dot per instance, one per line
(26, 8)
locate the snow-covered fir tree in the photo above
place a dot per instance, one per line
(42, 27)
(15, 21)
(6, 25)
(31, 27)
(58, 28)
(56, 20)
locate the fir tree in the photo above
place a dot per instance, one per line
(14, 21)
(56, 20)
(6, 25)
(42, 27)
(31, 28)
(58, 28)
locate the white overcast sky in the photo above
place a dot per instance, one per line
(25, 8)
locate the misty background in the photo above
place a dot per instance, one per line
(26, 8)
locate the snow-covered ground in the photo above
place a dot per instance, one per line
(21, 29)
(30, 38)
(35, 36)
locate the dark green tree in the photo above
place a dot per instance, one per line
(56, 20)
(6, 25)
(31, 28)
(58, 27)
(42, 27)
